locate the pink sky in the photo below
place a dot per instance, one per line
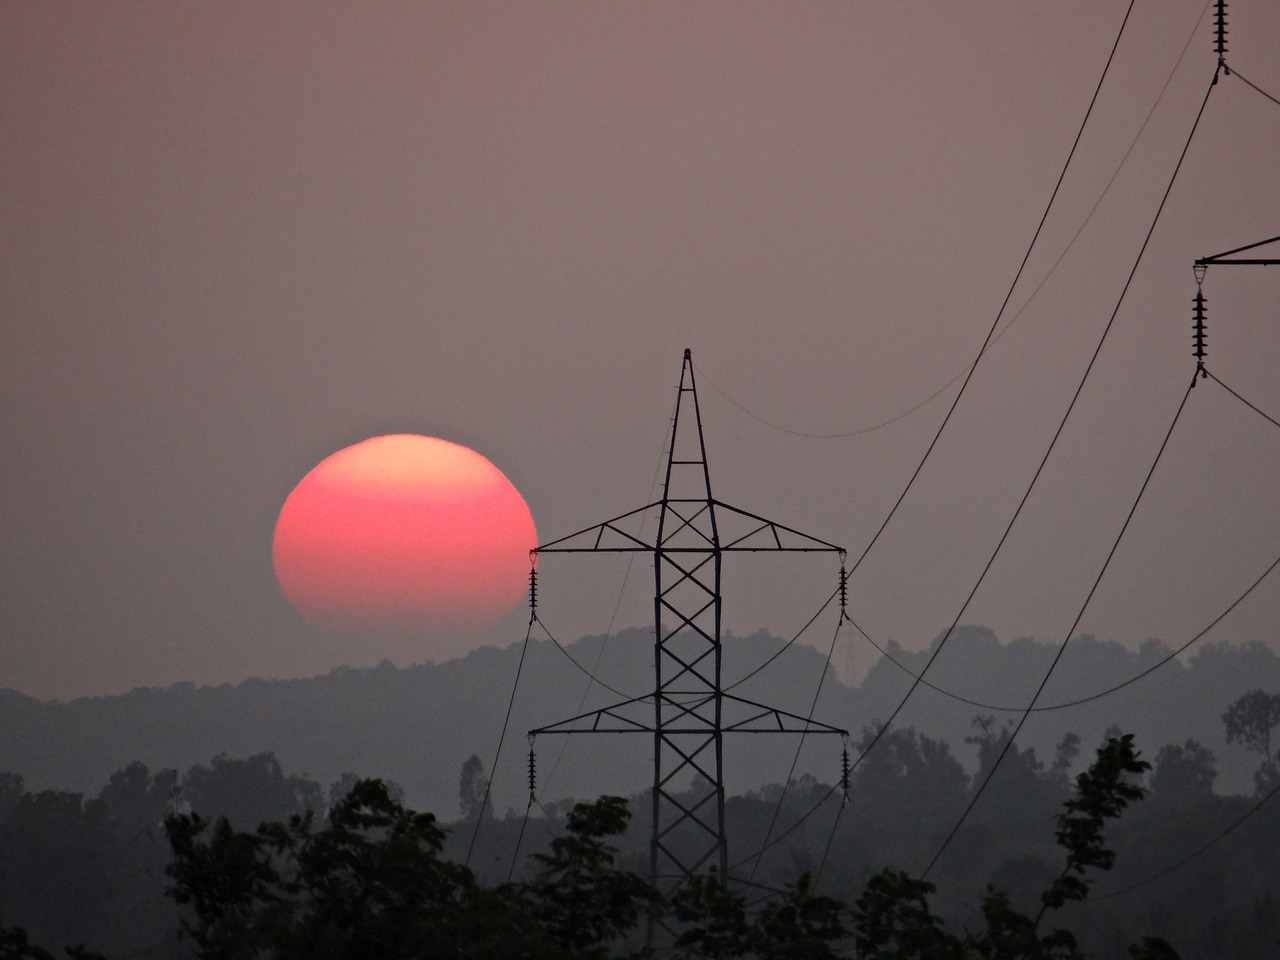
(240, 236)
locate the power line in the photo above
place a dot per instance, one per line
(1095, 696)
(1008, 744)
(795, 760)
(1124, 159)
(1061, 425)
(786, 646)
(1237, 73)
(790, 830)
(849, 433)
(1193, 854)
(826, 847)
(617, 603)
(591, 677)
(515, 685)
(996, 322)
(1251, 406)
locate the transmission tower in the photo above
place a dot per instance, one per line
(689, 712)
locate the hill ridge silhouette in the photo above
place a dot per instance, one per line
(418, 724)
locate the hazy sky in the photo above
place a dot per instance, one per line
(239, 236)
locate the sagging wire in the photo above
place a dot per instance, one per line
(826, 848)
(1053, 443)
(1241, 76)
(986, 342)
(585, 672)
(831, 791)
(783, 649)
(843, 592)
(1025, 303)
(617, 605)
(515, 685)
(1008, 745)
(1193, 854)
(1256, 409)
(1174, 654)
(528, 809)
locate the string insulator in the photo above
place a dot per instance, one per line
(533, 769)
(844, 592)
(1220, 36)
(533, 593)
(844, 774)
(1199, 334)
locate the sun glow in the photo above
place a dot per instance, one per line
(404, 532)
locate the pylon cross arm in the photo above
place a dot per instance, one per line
(606, 537)
(758, 534)
(1221, 257)
(763, 534)
(766, 719)
(759, 718)
(610, 719)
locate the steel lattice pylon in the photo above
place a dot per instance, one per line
(688, 712)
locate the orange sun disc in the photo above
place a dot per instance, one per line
(404, 532)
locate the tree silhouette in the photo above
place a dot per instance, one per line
(249, 791)
(1184, 774)
(1249, 722)
(368, 880)
(473, 790)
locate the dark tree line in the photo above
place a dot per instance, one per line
(105, 870)
(369, 880)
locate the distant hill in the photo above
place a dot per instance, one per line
(417, 725)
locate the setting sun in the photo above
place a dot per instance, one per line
(403, 532)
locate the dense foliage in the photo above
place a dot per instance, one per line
(369, 880)
(256, 872)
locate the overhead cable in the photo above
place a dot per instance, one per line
(1193, 854)
(617, 605)
(515, 685)
(1008, 744)
(967, 373)
(783, 649)
(795, 760)
(1005, 303)
(841, 435)
(1237, 73)
(1058, 432)
(1173, 655)
(790, 830)
(585, 672)
(1256, 409)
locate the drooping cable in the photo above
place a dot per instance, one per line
(1237, 73)
(1213, 623)
(991, 340)
(506, 720)
(1193, 854)
(831, 792)
(528, 809)
(591, 677)
(1004, 304)
(826, 847)
(1172, 655)
(1075, 397)
(845, 434)
(1008, 744)
(1254, 407)
(783, 649)
(617, 603)
(795, 760)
